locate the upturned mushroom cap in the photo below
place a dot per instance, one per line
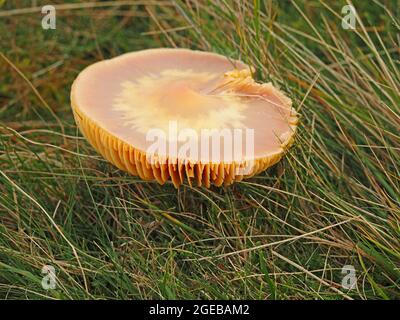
(148, 112)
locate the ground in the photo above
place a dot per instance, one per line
(324, 223)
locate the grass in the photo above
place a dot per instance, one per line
(284, 234)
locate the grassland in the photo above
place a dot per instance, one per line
(284, 234)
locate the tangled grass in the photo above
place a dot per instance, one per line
(284, 234)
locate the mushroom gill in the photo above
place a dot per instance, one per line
(178, 114)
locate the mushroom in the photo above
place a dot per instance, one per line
(182, 115)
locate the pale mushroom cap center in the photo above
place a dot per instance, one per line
(151, 102)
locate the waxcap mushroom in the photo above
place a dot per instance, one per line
(182, 115)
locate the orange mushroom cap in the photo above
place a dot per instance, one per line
(178, 114)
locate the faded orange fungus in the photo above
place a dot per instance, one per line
(182, 115)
